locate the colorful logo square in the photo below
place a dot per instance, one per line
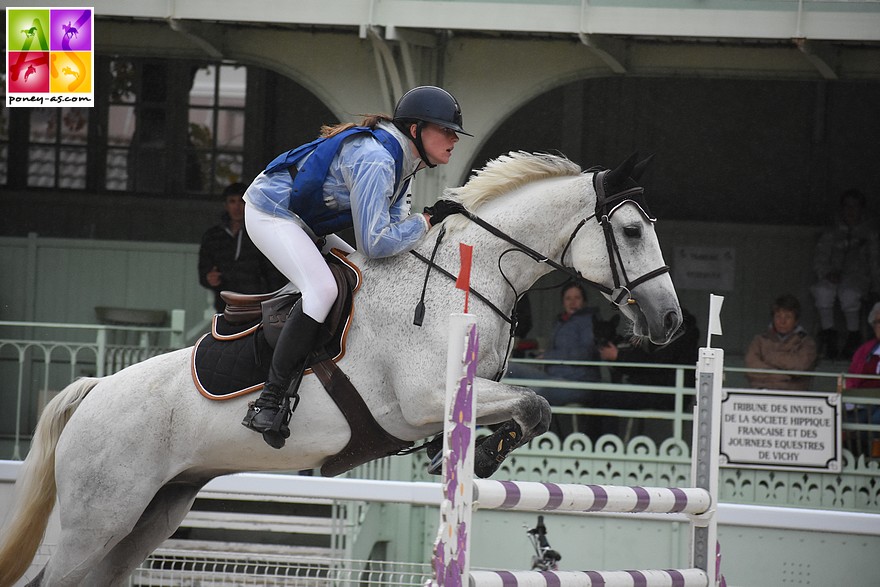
(70, 71)
(28, 72)
(50, 56)
(27, 29)
(71, 30)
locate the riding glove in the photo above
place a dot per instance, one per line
(443, 208)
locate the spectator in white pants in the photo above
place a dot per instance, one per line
(847, 264)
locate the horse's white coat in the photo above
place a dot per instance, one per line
(145, 436)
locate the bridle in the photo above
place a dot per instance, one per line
(606, 205)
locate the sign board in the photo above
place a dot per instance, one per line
(782, 430)
(704, 268)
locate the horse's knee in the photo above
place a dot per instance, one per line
(535, 414)
(546, 414)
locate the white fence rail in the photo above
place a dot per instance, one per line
(41, 358)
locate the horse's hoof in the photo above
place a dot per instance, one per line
(491, 452)
(485, 466)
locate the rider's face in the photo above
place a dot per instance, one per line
(438, 142)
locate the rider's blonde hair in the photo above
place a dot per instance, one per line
(369, 120)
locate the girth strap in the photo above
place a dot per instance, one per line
(368, 440)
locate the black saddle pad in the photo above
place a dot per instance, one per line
(230, 361)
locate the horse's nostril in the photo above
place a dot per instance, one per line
(671, 321)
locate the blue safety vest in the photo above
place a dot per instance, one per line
(307, 197)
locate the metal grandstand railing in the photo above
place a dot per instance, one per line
(165, 568)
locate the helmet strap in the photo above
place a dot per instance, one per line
(420, 146)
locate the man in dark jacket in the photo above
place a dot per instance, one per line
(228, 260)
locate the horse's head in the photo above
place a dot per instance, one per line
(594, 224)
(628, 262)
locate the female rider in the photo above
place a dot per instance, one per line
(365, 186)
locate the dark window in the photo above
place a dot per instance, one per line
(216, 127)
(57, 147)
(132, 140)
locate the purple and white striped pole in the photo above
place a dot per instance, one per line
(569, 497)
(669, 578)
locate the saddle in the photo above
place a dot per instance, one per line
(270, 310)
(254, 322)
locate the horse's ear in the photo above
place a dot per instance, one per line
(640, 167)
(622, 172)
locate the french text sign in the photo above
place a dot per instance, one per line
(770, 429)
(704, 268)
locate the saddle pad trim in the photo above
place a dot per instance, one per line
(203, 390)
(234, 336)
(343, 257)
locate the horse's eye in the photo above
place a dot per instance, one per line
(632, 231)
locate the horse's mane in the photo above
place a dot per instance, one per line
(508, 172)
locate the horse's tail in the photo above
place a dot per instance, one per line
(35, 488)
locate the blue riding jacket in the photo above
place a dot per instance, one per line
(359, 179)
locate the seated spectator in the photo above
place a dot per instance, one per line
(786, 346)
(228, 260)
(847, 264)
(570, 340)
(866, 361)
(682, 350)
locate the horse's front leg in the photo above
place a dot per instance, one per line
(523, 415)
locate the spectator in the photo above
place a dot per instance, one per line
(228, 260)
(785, 346)
(683, 350)
(570, 340)
(847, 266)
(866, 361)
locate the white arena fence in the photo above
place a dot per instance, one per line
(44, 357)
(462, 492)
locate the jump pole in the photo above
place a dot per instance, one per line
(451, 561)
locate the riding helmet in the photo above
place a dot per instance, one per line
(430, 104)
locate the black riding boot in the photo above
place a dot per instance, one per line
(270, 413)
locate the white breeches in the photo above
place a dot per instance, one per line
(292, 251)
(850, 296)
